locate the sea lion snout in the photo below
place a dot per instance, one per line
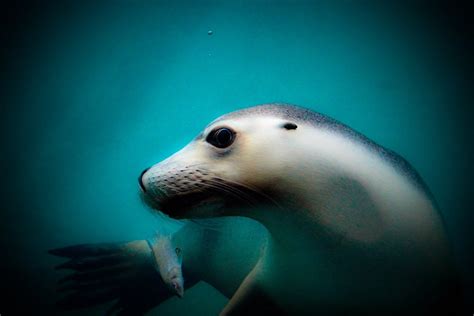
(173, 187)
(140, 179)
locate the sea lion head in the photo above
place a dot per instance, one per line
(239, 160)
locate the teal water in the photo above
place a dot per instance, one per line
(96, 93)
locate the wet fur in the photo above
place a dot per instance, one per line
(336, 204)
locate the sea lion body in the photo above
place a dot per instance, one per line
(352, 225)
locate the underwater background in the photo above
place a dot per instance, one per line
(94, 92)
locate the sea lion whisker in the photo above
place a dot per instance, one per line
(232, 184)
(224, 189)
(246, 197)
(251, 189)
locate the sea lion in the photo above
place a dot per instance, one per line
(353, 227)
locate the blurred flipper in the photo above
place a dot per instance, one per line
(105, 272)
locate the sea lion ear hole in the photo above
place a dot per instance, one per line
(289, 126)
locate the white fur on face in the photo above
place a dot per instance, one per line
(246, 161)
(300, 164)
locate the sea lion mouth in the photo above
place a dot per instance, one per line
(182, 206)
(185, 205)
(197, 194)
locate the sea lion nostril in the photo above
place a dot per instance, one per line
(140, 179)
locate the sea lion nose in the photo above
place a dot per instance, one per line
(140, 179)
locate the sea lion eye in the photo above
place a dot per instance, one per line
(221, 137)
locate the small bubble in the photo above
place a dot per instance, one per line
(210, 32)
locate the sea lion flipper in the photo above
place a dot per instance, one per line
(250, 297)
(87, 250)
(114, 271)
